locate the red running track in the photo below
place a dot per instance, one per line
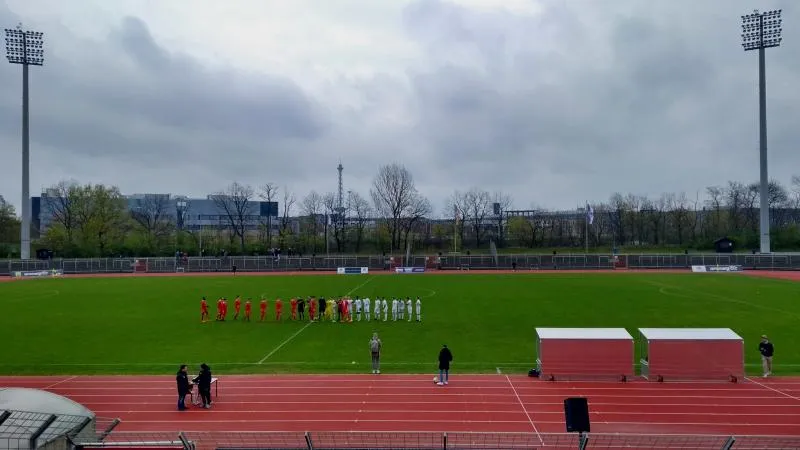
(478, 403)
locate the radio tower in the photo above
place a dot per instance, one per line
(340, 200)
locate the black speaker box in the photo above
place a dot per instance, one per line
(576, 414)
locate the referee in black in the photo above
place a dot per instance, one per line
(766, 349)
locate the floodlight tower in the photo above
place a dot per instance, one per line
(340, 198)
(761, 31)
(26, 48)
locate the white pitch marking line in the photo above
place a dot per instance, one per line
(772, 389)
(289, 339)
(525, 410)
(60, 382)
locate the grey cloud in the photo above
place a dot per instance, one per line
(130, 102)
(657, 107)
(583, 100)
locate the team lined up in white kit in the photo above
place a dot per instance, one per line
(401, 310)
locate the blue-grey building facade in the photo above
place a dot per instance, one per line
(190, 214)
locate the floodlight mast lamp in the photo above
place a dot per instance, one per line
(761, 31)
(26, 48)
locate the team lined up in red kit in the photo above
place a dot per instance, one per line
(297, 309)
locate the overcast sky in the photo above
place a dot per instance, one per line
(553, 101)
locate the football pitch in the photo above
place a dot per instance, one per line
(152, 324)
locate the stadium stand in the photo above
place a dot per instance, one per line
(33, 419)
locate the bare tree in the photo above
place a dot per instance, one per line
(61, 204)
(151, 212)
(418, 209)
(235, 204)
(478, 206)
(393, 193)
(504, 202)
(288, 203)
(361, 211)
(312, 207)
(269, 193)
(456, 208)
(331, 205)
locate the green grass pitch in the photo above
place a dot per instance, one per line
(151, 324)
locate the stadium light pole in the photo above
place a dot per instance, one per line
(26, 48)
(761, 31)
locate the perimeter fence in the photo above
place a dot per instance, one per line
(434, 441)
(787, 261)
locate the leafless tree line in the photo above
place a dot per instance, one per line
(397, 215)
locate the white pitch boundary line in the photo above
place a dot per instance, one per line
(525, 410)
(772, 389)
(60, 382)
(289, 339)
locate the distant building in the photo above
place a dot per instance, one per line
(186, 213)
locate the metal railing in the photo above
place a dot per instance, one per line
(435, 441)
(782, 261)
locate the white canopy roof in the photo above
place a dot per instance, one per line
(583, 333)
(691, 334)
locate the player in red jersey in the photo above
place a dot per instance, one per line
(278, 309)
(312, 308)
(263, 308)
(203, 310)
(293, 304)
(237, 306)
(219, 309)
(248, 308)
(345, 311)
(224, 308)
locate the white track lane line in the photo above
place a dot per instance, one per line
(60, 382)
(766, 386)
(525, 410)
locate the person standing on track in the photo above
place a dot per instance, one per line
(375, 345)
(445, 356)
(203, 381)
(766, 349)
(184, 388)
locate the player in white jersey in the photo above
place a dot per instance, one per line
(349, 309)
(385, 307)
(419, 310)
(365, 303)
(357, 304)
(401, 310)
(408, 308)
(394, 309)
(377, 308)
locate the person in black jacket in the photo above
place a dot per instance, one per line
(184, 388)
(766, 349)
(203, 381)
(444, 364)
